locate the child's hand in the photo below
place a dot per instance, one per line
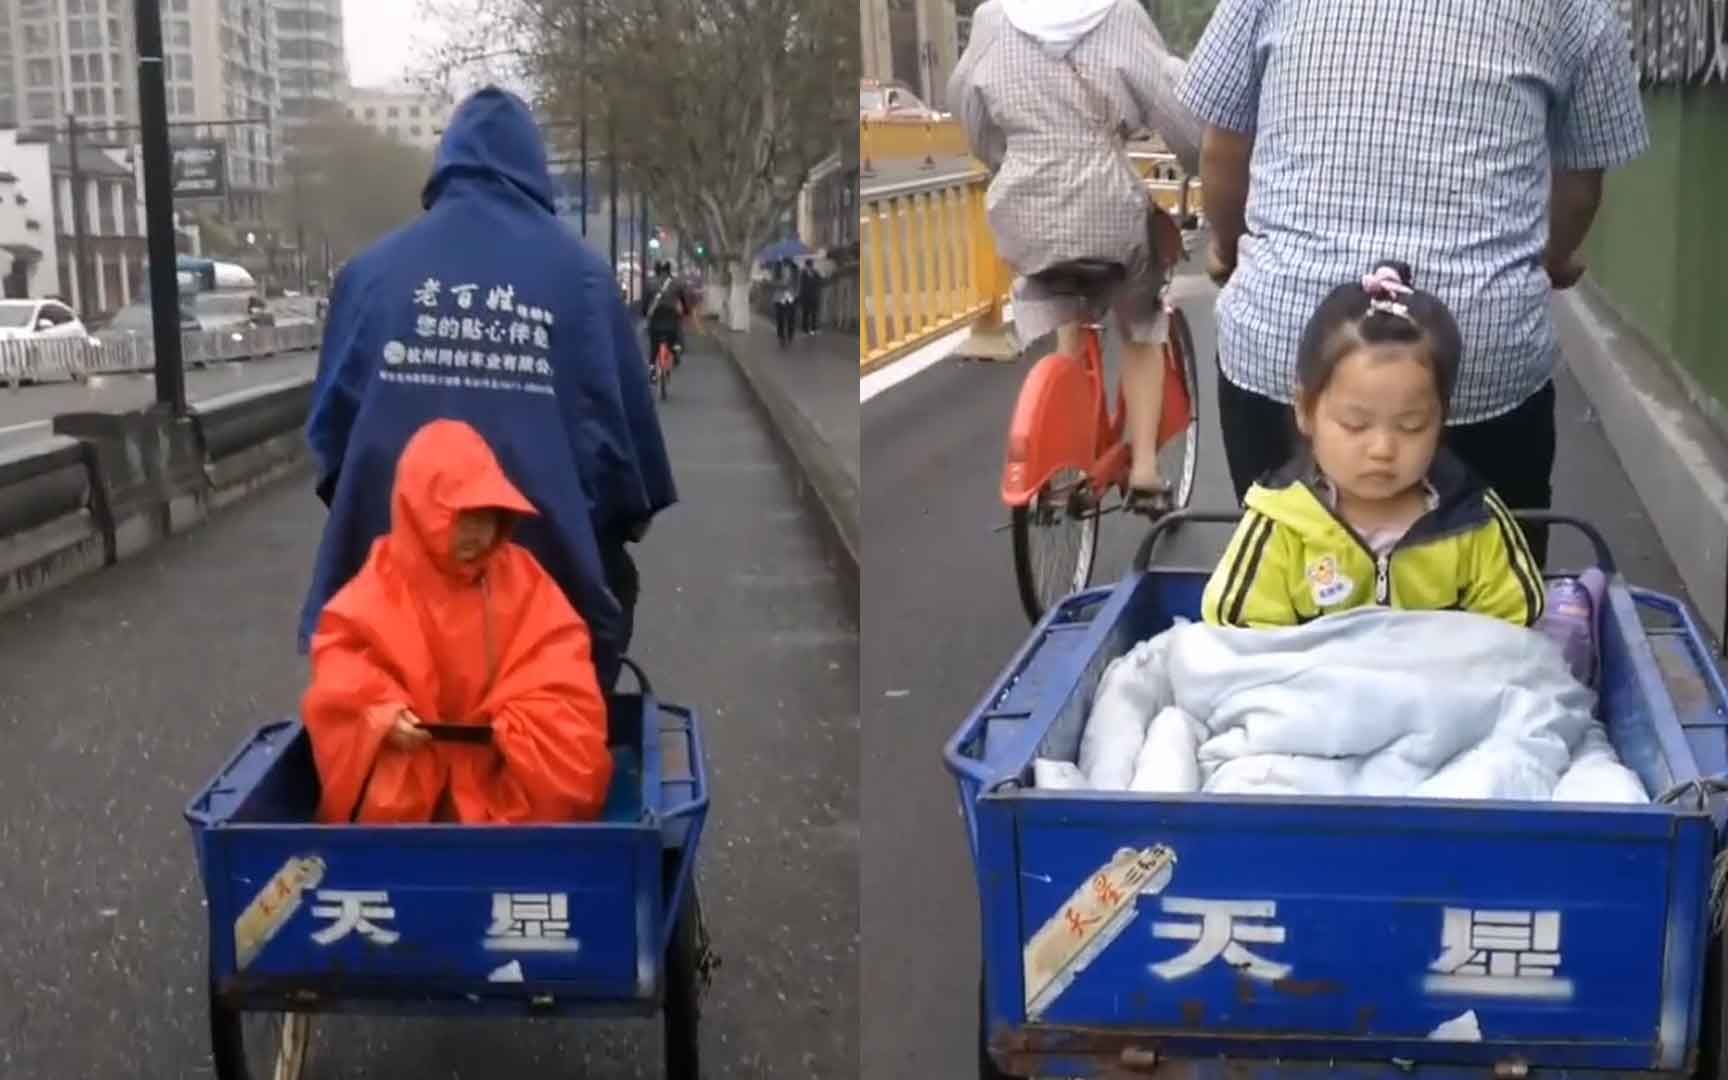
(407, 734)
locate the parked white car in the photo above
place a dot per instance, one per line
(40, 320)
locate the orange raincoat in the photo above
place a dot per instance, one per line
(491, 642)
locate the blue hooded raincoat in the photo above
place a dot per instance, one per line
(489, 311)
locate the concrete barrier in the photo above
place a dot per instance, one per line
(110, 485)
(49, 533)
(252, 437)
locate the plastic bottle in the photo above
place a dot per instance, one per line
(1570, 621)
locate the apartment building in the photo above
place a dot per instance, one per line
(233, 75)
(312, 59)
(67, 56)
(406, 115)
(38, 227)
(29, 259)
(221, 62)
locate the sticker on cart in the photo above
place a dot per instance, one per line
(1512, 954)
(1221, 930)
(274, 905)
(531, 922)
(1093, 917)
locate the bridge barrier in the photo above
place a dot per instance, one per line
(110, 353)
(930, 266)
(881, 141)
(107, 486)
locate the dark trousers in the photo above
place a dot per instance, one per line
(626, 585)
(1513, 452)
(785, 321)
(811, 306)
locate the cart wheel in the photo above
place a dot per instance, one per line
(687, 967)
(987, 1069)
(258, 1046)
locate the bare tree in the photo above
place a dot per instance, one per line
(717, 109)
(348, 185)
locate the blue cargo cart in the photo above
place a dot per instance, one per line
(1233, 936)
(591, 919)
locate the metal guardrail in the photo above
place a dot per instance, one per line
(930, 265)
(235, 422)
(40, 361)
(42, 483)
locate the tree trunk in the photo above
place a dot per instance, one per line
(714, 299)
(738, 297)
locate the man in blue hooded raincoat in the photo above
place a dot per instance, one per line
(489, 311)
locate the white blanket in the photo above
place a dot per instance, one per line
(1369, 702)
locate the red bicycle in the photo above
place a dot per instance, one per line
(661, 370)
(1066, 443)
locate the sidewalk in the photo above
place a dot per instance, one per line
(809, 389)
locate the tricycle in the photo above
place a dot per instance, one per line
(1129, 934)
(589, 919)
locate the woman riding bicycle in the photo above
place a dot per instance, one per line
(1047, 91)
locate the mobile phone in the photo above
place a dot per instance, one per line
(460, 733)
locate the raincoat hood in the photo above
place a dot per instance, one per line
(1056, 23)
(447, 468)
(492, 136)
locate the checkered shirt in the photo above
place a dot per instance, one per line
(1420, 130)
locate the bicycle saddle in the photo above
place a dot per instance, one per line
(1083, 275)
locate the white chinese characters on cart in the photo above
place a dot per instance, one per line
(1499, 954)
(494, 341)
(1483, 953)
(520, 922)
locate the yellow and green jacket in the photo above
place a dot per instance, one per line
(1293, 559)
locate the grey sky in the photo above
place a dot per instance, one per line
(396, 35)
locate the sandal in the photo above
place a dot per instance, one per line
(1151, 501)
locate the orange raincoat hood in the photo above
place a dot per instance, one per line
(446, 468)
(491, 642)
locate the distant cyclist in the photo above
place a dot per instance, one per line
(666, 306)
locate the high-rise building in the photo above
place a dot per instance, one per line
(232, 75)
(221, 59)
(67, 56)
(313, 60)
(407, 115)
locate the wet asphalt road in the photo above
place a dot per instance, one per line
(27, 413)
(942, 619)
(119, 696)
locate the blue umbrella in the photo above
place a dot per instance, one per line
(792, 248)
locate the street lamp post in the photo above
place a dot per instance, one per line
(80, 226)
(159, 208)
(584, 105)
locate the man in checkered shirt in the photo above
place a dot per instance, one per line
(1465, 137)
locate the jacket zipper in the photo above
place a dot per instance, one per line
(1383, 579)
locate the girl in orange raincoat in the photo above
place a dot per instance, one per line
(449, 623)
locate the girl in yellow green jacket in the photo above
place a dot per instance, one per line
(1374, 510)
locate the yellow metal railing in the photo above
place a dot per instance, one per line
(929, 263)
(888, 141)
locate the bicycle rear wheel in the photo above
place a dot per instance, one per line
(1179, 433)
(1055, 541)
